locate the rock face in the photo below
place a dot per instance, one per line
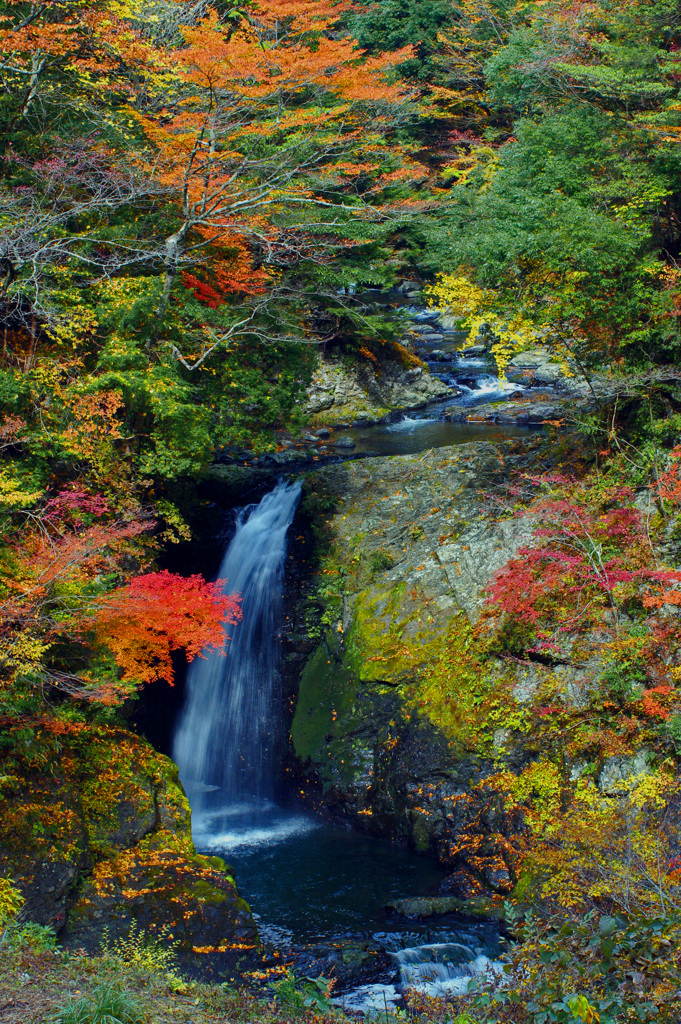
(536, 366)
(409, 544)
(346, 392)
(103, 839)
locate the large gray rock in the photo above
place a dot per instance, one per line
(344, 442)
(539, 366)
(414, 542)
(342, 393)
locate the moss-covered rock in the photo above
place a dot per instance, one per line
(398, 716)
(97, 832)
(342, 390)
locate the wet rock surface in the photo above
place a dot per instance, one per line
(342, 391)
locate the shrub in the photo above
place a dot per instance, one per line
(380, 560)
(144, 952)
(10, 901)
(38, 938)
(149, 955)
(303, 993)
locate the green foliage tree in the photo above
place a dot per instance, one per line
(572, 220)
(393, 24)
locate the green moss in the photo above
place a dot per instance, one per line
(204, 891)
(358, 410)
(390, 636)
(327, 689)
(421, 831)
(459, 689)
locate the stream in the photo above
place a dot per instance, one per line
(314, 886)
(418, 432)
(469, 373)
(308, 882)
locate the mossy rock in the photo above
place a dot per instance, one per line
(327, 689)
(439, 906)
(401, 710)
(103, 838)
(164, 890)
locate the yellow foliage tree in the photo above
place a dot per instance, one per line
(458, 296)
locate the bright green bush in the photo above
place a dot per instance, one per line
(10, 901)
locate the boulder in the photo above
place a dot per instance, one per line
(412, 547)
(342, 393)
(104, 840)
(536, 366)
(449, 322)
(437, 906)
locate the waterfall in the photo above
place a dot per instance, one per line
(227, 735)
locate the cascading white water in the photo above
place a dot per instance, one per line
(442, 968)
(227, 735)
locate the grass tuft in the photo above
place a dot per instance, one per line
(107, 1004)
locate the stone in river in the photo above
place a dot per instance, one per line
(424, 906)
(344, 442)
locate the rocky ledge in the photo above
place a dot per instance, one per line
(342, 391)
(407, 546)
(96, 831)
(552, 392)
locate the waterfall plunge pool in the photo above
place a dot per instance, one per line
(312, 884)
(306, 879)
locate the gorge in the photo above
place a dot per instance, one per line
(340, 512)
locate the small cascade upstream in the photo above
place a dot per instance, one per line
(226, 740)
(443, 968)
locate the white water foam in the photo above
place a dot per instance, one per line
(256, 835)
(487, 389)
(408, 423)
(369, 999)
(437, 969)
(252, 823)
(442, 969)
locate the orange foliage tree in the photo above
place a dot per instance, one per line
(71, 622)
(161, 612)
(245, 132)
